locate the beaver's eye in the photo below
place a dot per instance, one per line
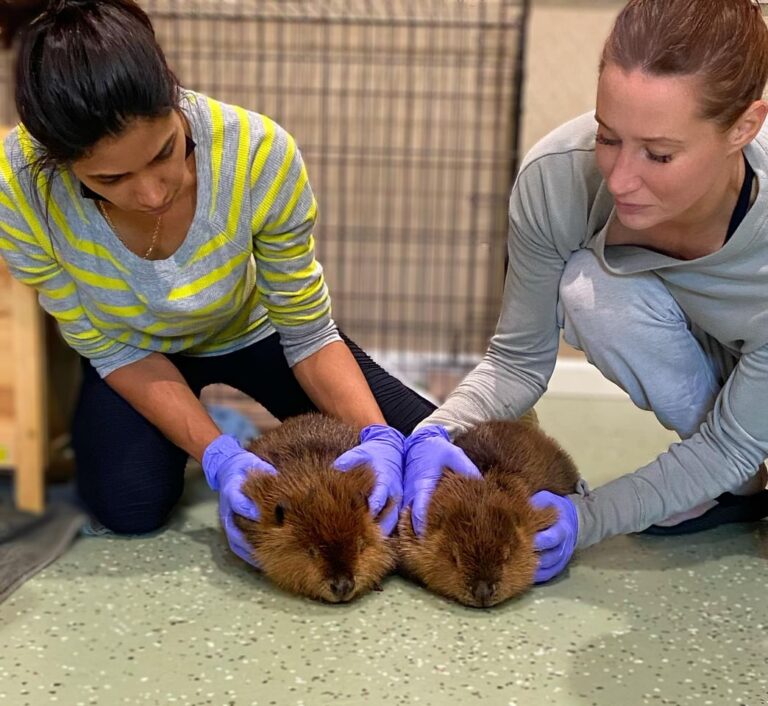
(279, 514)
(313, 553)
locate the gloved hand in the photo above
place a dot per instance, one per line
(427, 452)
(381, 447)
(226, 465)
(556, 543)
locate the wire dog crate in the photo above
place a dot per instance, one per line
(406, 112)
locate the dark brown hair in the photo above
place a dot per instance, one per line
(85, 69)
(722, 42)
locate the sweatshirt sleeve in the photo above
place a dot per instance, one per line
(31, 259)
(289, 278)
(723, 454)
(521, 356)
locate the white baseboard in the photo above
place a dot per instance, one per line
(574, 377)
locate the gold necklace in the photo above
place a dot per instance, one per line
(103, 210)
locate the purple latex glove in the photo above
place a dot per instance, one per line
(427, 452)
(381, 447)
(556, 543)
(226, 465)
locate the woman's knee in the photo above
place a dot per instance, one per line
(128, 474)
(128, 509)
(129, 484)
(632, 329)
(598, 305)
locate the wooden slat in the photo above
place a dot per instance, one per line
(31, 433)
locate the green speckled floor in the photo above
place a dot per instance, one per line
(170, 619)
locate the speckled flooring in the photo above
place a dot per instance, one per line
(171, 619)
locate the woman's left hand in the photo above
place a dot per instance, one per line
(381, 447)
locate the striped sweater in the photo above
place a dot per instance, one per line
(245, 269)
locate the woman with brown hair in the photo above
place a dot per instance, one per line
(641, 231)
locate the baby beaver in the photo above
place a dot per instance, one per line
(478, 544)
(316, 536)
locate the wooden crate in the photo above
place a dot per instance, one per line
(23, 409)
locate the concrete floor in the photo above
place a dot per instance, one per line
(172, 619)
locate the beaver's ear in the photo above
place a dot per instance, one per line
(384, 511)
(452, 491)
(541, 518)
(360, 501)
(361, 481)
(437, 512)
(259, 487)
(453, 485)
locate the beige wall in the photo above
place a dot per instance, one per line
(564, 45)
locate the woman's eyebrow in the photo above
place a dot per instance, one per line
(669, 140)
(159, 153)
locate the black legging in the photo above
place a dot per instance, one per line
(130, 476)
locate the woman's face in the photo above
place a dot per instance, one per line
(661, 161)
(142, 169)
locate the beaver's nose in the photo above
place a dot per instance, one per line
(484, 593)
(342, 587)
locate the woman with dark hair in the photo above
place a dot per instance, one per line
(640, 230)
(170, 235)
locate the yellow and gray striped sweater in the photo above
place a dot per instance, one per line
(245, 269)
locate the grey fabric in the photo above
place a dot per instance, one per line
(28, 543)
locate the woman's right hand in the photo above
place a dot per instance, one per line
(427, 452)
(226, 465)
(556, 544)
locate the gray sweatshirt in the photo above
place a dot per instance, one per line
(560, 204)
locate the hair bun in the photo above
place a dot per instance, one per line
(16, 15)
(56, 6)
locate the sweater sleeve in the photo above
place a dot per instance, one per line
(722, 455)
(31, 259)
(289, 278)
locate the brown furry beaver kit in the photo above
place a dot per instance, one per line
(478, 543)
(316, 536)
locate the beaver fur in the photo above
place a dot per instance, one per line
(316, 536)
(478, 544)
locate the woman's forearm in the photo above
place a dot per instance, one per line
(333, 380)
(155, 388)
